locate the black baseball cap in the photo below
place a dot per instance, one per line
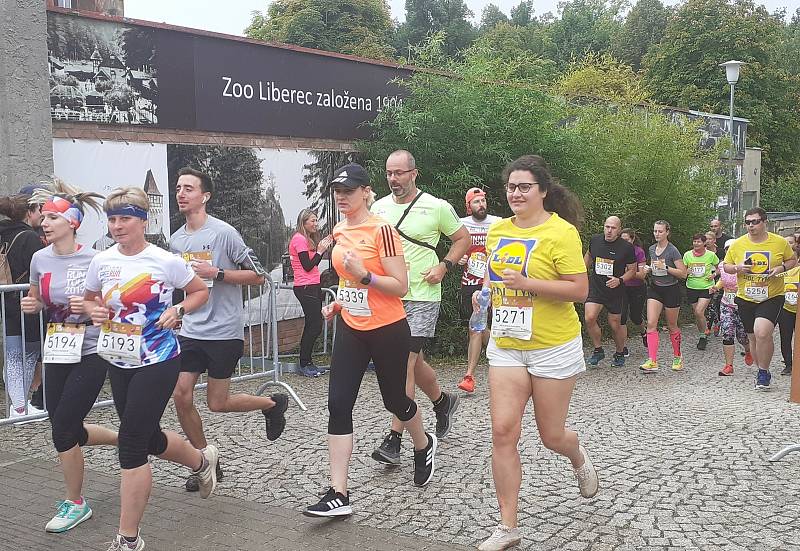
(351, 176)
(30, 189)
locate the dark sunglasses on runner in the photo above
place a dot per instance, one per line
(753, 221)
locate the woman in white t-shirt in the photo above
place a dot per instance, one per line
(129, 294)
(74, 374)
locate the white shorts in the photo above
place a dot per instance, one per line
(559, 362)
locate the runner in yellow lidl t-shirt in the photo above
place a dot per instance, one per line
(786, 319)
(759, 259)
(535, 272)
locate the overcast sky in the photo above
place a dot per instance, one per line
(232, 16)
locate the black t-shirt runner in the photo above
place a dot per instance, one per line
(721, 244)
(609, 258)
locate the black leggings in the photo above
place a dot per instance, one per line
(141, 396)
(310, 297)
(633, 310)
(786, 328)
(387, 346)
(70, 393)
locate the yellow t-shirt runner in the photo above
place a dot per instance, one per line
(762, 257)
(522, 320)
(790, 281)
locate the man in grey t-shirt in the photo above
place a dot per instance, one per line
(212, 337)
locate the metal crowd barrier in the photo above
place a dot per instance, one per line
(261, 360)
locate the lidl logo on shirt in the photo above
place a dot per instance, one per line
(512, 254)
(758, 261)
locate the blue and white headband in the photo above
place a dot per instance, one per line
(128, 210)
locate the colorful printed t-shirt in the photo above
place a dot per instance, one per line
(699, 269)
(761, 257)
(790, 280)
(729, 286)
(137, 289)
(428, 219)
(297, 245)
(58, 278)
(546, 251)
(475, 268)
(222, 317)
(363, 307)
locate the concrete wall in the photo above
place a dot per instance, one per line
(26, 148)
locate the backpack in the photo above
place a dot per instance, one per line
(5, 268)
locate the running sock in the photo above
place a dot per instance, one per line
(438, 400)
(396, 434)
(203, 464)
(130, 539)
(78, 501)
(652, 345)
(675, 338)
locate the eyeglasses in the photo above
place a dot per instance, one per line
(523, 188)
(398, 173)
(753, 221)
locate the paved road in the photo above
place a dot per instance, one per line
(681, 456)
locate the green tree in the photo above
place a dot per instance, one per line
(357, 27)
(789, 47)
(782, 195)
(427, 17)
(603, 77)
(643, 28)
(585, 26)
(241, 197)
(522, 13)
(510, 52)
(491, 16)
(683, 70)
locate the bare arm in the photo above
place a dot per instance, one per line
(678, 271)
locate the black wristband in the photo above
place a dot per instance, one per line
(448, 264)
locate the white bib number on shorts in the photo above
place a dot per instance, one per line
(513, 318)
(476, 264)
(791, 298)
(354, 299)
(729, 297)
(697, 270)
(757, 292)
(120, 342)
(603, 266)
(63, 343)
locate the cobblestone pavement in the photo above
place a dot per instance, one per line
(681, 457)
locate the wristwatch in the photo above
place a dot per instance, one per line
(367, 279)
(180, 310)
(220, 274)
(448, 264)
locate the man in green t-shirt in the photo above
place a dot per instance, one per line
(701, 267)
(420, 219)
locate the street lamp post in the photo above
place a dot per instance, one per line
(732, 75)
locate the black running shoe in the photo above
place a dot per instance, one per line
(787, 370)
(425, 462)
(388, 452)
(193, 483)
(445, 412)
(702, 342)
(332, 504)
(276, 416)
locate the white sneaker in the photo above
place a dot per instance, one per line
(119, 544)
(207, 477)
(33, 409)
(503, 538)
(587, 476)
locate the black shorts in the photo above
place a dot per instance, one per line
(748, 311)
(613, 299)
(219, 358)
(668, 295)
(465, 308)
(693, 294)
